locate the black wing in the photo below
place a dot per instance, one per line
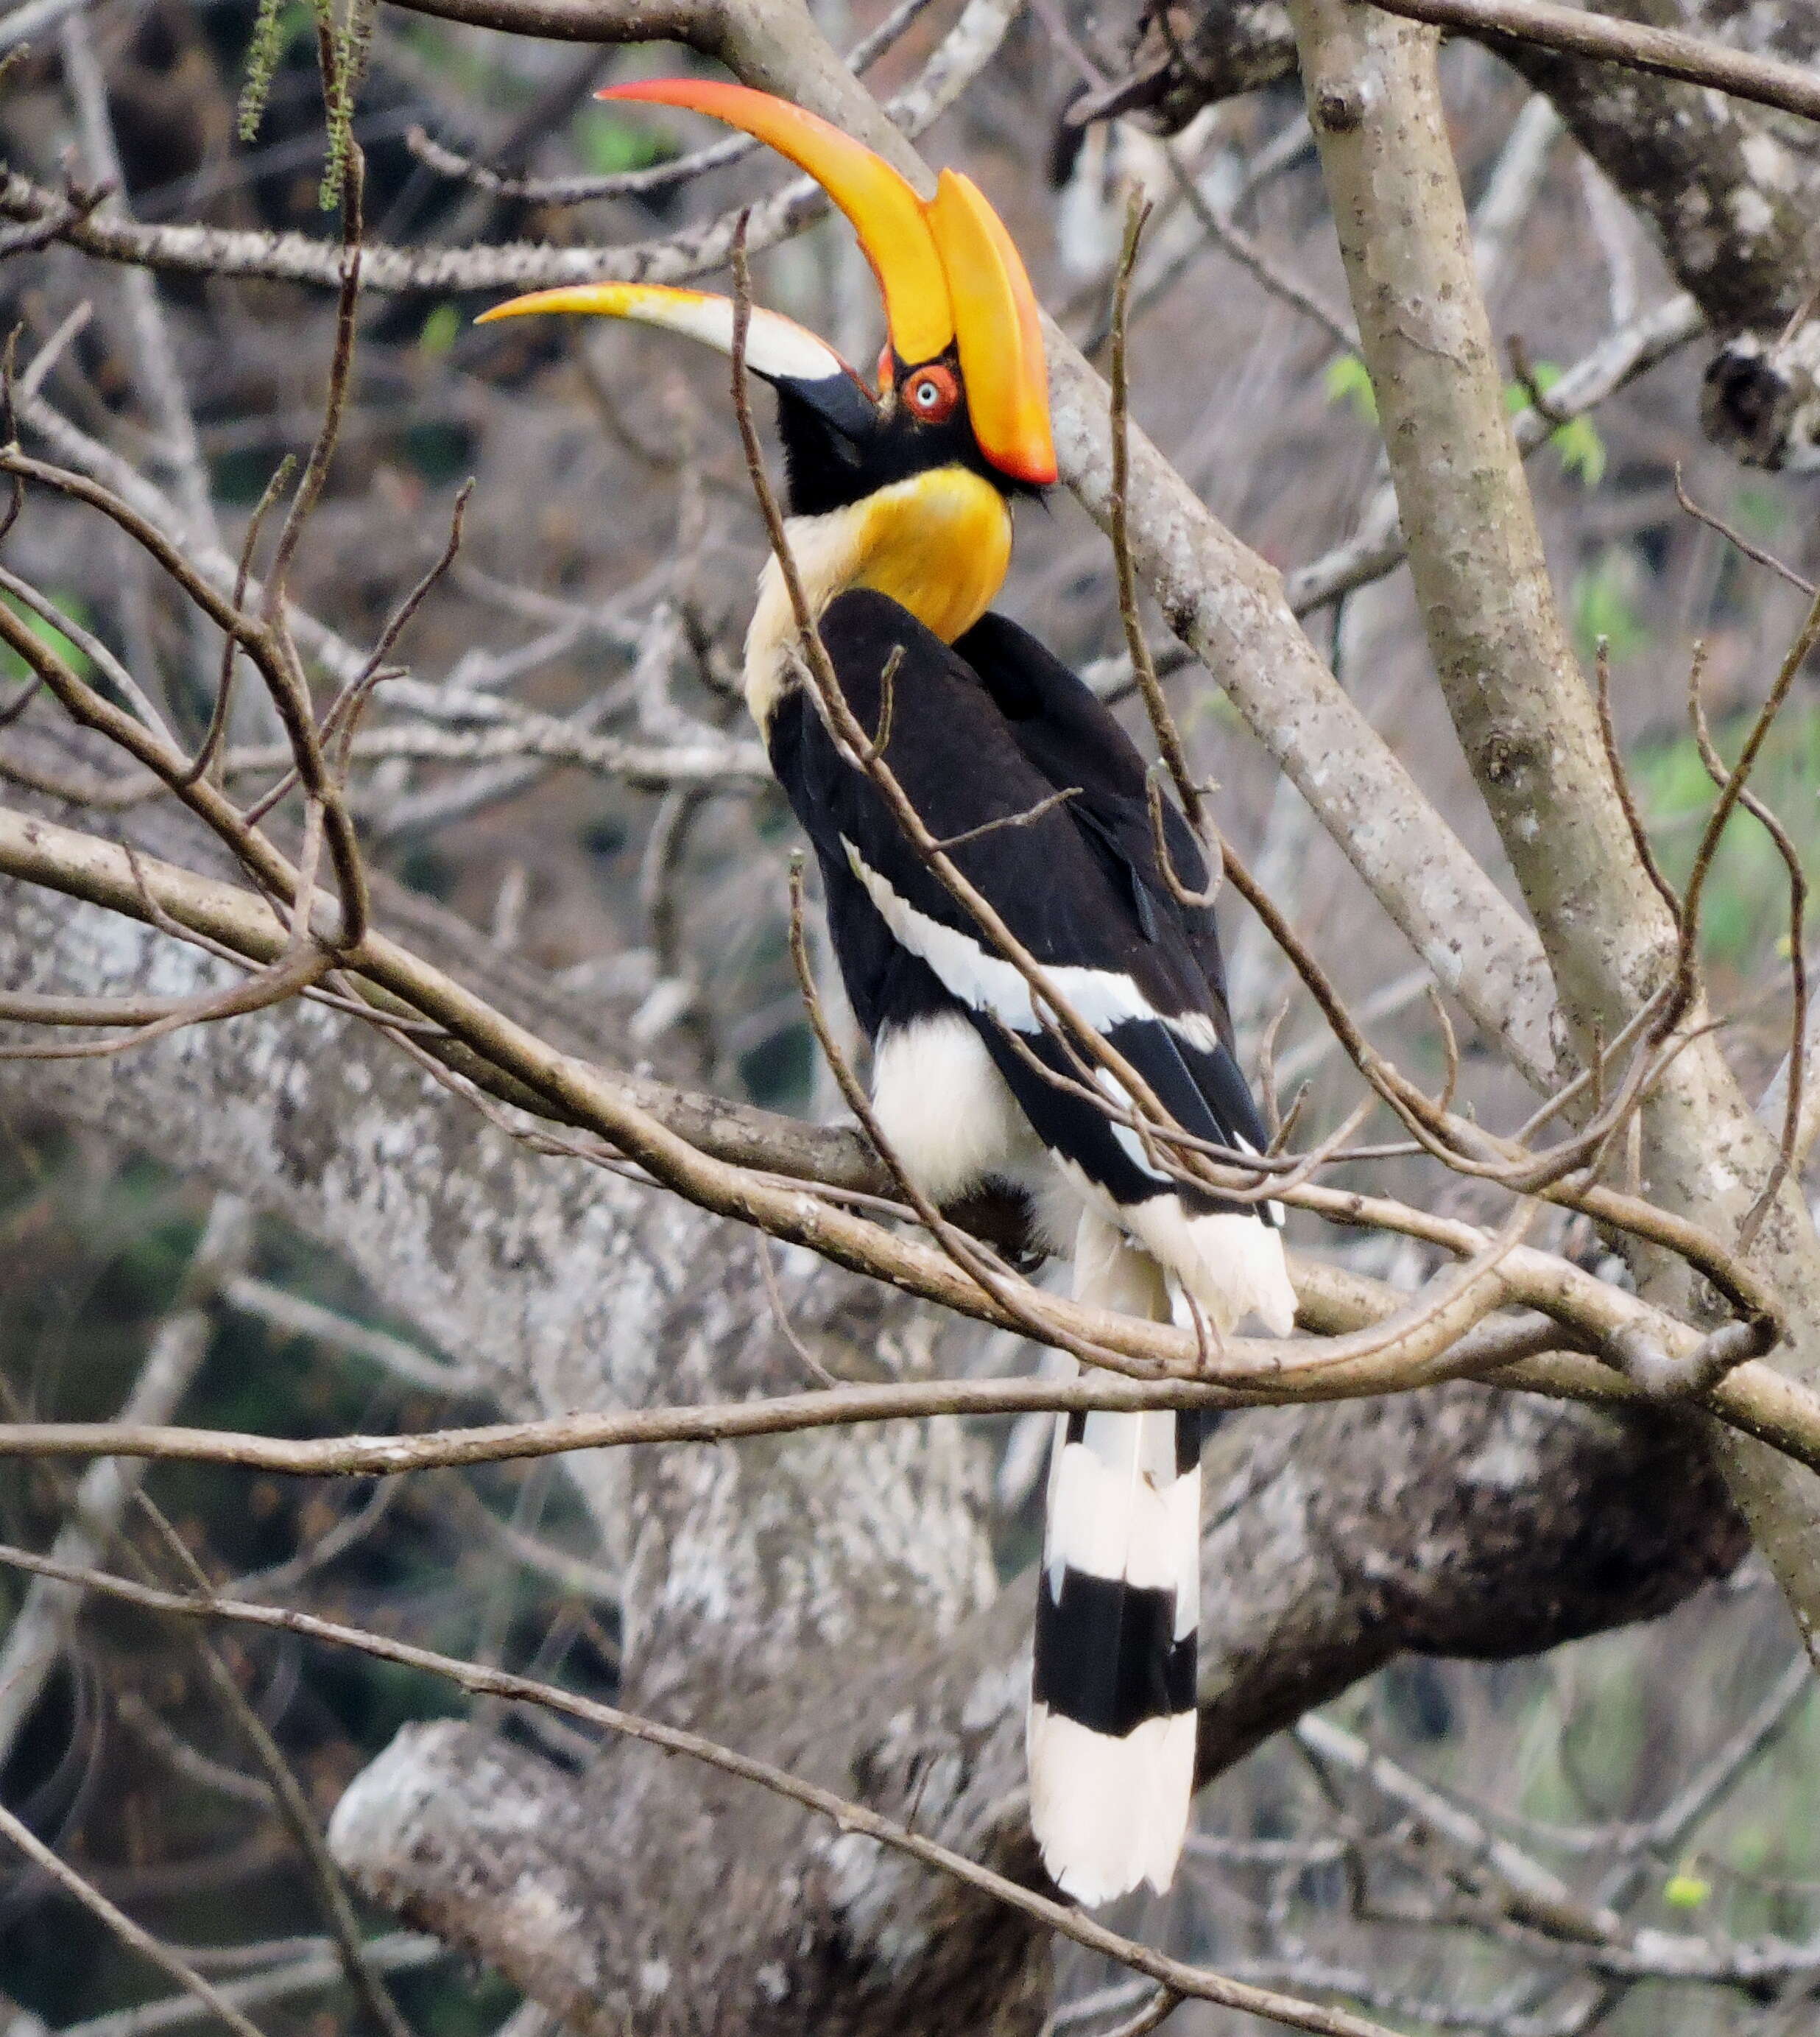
(1079, 888)
(1073, 738)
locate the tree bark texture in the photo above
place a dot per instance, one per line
(827, 1600)
(1732, 193)
(1524, 715)
(1733, 196)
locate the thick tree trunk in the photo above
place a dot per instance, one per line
(1523, 713)
(826, 1600)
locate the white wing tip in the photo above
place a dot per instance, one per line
(1245, 1255)
(1231, 1261)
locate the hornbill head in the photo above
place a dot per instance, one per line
(962, 382)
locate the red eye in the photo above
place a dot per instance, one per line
(930, 394)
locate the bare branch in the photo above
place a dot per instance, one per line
(315, 1971)
(41, 1627)
(1737, 540)
(21, 1836)
(1192, 1983)
(291, 1805)
(1667, 52)
(1232, 241)
(1751, 1396)
(660, 177)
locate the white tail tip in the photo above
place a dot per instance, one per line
(1108, 1813)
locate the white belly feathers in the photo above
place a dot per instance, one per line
(944, 1108)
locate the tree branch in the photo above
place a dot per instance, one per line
(1512, 684)
(1664, 52)
(851, 1546)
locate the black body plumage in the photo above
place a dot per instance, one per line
(983, 732)
(900, 534)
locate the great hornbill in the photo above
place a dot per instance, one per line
(900, 523)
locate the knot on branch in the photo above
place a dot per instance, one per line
(1761, 400)
(1508, 752)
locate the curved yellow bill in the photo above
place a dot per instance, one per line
(998, 331)
(776, 347)
(888, 215)
(949, 272)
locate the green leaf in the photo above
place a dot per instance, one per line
(1603, 606)
(1348, 380)
(608, 145)
(1581, 451)
(14, 667)
(1686, 1891)
(1577, 445)
(440, 331)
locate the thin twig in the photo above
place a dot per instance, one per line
(1730, 793)
(1154, 2013)
(116, 1920)
(1192, 1983)
(1195, 901)
(1020, 820)
(289, 1801)
(1791, 855)
(290, 691)
(1622, 784)
(92, 1507)
(1232, 241)
(1737, 540)
(216, 734)
(191, 1762)
(1450, 1045)
(315, 1970)
(91, 648)
(811, 1364)
(660, 177)
(887, 697)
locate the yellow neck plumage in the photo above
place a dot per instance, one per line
(938, 543)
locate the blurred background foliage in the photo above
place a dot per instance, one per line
(582, 444)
